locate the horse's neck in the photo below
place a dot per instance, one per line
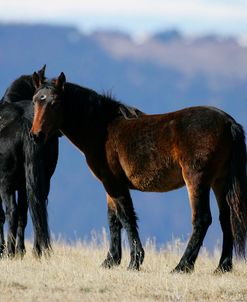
(81, 122)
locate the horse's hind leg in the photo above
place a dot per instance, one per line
(11, 214)
(115, 252)
(2, 220)
(225, 264)
(126, 213)
(22, 222)
(201, 219)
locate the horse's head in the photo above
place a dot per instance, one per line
(47, 105)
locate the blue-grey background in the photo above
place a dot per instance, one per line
(166, 71)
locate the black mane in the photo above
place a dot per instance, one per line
(102, 106)
(122, 109)
(21, 89)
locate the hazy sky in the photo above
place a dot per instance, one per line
(192, 16)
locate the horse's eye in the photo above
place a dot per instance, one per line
(43, 97)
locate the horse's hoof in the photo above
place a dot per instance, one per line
(183, 269)
(37, 254)
(110, 262)
(107, 264)
(11, 255)
(222, 270)
(136, 260)
(224, 266)
(20, 252)
(133, 266)
(2, 251)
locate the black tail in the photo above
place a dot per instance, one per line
(237, 190)
(37, 191)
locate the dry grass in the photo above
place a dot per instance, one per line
(73, 273)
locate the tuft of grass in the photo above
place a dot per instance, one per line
(73, 273)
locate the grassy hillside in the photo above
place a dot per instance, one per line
(73, 274)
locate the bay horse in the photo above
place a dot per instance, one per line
(200, 147)
(26, 167)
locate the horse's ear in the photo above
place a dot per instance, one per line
(41, 73)
(36, 80)
(60, 81)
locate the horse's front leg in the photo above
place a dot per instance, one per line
(22, 222)
(115, 251)
(2, 220)
(11, 214)
(125, 212)
(201, 219)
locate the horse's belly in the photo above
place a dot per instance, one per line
(161, 180)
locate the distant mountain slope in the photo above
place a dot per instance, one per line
(161, 73)
(212, 56)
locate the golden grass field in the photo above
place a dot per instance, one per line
(73, 273)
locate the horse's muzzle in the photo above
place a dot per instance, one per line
(37, 136)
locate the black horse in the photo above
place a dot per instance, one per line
(200, 147)
(26, 167)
